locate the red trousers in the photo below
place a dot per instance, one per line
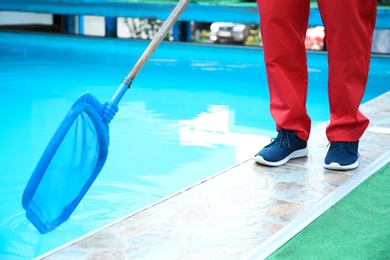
(349, 26)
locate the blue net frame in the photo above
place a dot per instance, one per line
(70, 163)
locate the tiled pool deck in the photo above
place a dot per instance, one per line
(230, 215)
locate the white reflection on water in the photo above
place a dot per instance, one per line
(214, 127)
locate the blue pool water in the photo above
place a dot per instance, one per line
(191, 112)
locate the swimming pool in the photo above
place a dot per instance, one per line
(192, 111)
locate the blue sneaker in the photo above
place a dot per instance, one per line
(342, 156)
(284, 147)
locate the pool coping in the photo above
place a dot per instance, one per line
(177, 193)
(289, 231)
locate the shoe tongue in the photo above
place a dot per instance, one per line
(284, 139)
(343, 145)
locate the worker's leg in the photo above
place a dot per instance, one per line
(349, 27)
(283, 30)
(283, 26)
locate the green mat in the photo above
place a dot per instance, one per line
(357, 227)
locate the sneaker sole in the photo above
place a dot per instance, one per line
(338, 167)
(296, 154)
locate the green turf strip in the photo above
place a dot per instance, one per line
(356, 227)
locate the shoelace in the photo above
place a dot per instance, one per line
(281, 139)
(345, 144)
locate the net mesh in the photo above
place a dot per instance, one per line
(69, 170)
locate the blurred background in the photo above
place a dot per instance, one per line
(210, 32)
